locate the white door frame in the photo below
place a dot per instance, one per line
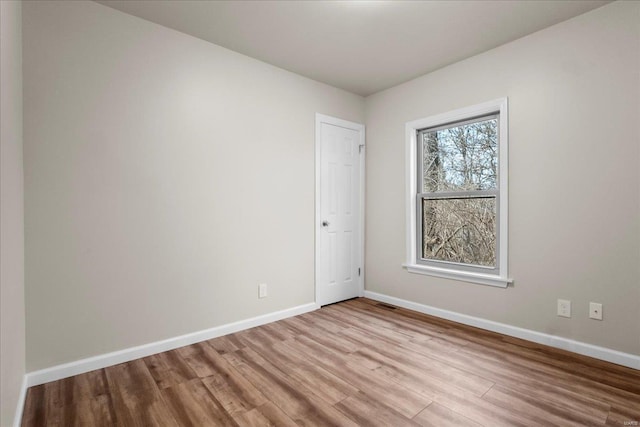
(321, 118)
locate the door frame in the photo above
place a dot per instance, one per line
(358, 127)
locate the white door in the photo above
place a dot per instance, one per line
(339, 215)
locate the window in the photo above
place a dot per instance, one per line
(457, 194)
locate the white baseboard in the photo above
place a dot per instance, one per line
(602, 353)
(22, 397)
(102, 361)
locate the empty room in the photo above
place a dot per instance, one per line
(280, 213)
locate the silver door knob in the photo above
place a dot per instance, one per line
(325, 223)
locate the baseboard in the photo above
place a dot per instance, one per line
(102, 361)
(602, 353)
(22, 397)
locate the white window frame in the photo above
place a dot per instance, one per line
(452, 271)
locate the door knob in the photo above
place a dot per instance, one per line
(325, 223)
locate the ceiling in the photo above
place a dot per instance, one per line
(360, 46)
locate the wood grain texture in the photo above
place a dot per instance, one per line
(355, 363)
(436, 415)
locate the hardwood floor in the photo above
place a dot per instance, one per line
(354, 363)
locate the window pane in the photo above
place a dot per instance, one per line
(460, 230)
(462, 157)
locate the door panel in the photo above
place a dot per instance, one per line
(339, 248)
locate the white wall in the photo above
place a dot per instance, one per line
(165, 177)
(12, 329)
(574, 93)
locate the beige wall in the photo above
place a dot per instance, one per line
(12, 330)
(574, 93)
(165, 178)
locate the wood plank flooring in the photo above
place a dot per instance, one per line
(354, 363)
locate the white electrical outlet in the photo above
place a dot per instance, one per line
(564, 308)
(262, 290)
(595, 310)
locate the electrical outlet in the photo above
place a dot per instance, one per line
(262, 290)
(595, 310)
(564, 308)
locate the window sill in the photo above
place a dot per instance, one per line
(464, 276)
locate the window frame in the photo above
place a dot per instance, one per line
(493, 276)
(454, 195)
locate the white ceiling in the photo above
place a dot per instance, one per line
(359, 46)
